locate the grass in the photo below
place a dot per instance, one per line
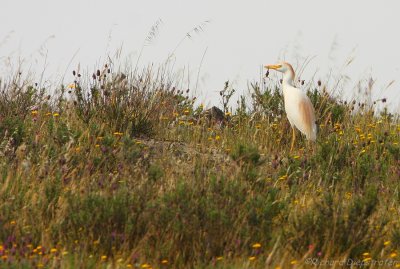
(125, 171)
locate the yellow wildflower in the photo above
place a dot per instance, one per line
(252, 258)
(256, 245)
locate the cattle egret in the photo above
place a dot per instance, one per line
(298, 107)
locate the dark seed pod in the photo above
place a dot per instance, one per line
(384, 100)
(98, 73)
(105, 65)
(319, 82)
(267, 73)
(281, 81)
(220, 93)
(94, 76)
(187, 91)
(108, 70)
(73, 72)
(302, 82)
(79, 75)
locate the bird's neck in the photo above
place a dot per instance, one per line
(288, 78)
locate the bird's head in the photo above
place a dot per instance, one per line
(281, 67)
(284, 68)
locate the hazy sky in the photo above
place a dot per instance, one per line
(239, 38)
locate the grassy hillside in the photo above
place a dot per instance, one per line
(124, 171)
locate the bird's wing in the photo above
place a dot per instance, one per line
(307, 116)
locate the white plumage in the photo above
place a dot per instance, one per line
(298, 107)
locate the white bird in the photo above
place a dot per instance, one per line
(299, 109)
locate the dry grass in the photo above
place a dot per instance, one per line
(123, 171)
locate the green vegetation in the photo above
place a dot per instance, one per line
(127, 171)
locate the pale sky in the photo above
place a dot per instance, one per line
(239, 37)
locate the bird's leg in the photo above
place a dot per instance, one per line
(293, 139)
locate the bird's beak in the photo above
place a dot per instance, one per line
(273, 66)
